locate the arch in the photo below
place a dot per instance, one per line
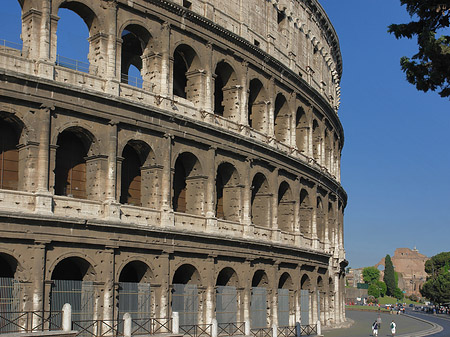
(305, 213)
(70, 169)
(260, 279)
(302, 130)
(226, 99)
(186, 79)
(285, 281)
(73, 268)
(136, 271)
(285, 303)
(77, 23)
(285, 208)
(134, 290)
(9, 154)
(137, 43)
(8, 266)
(186, 274)
(320, 219)
(305, 282)
(320, 283)
(260, 201)
(257, 107)
(282, 119)
(227, 277)
(258, 305)
(317, 141)
(228, 196)
(188, 185)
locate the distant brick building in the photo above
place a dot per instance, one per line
(410, 265)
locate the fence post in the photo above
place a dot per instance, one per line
(214, 328)
(298, 329)
(274, 330)
(67, 317)
(247, 327)
(127, 325)
(319, 328)
(175, 322)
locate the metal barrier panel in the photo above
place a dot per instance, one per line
(80, 295)
(9, 305)
(134, 298)
(258, 308)
(185, 302)
(283, 307)
(226, 304)
(304, 307)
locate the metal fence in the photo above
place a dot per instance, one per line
(196, 330)
(151, 326)
(29, 321)
(72, 64)
(226, 304)
(258, 308)
(261, 332)
(185, 302)
(283, 307)
(231, 329)
(8, 45)
(132, 80)
(304, 307)
(98, 328)
(308, 330)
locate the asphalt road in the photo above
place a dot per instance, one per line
(406, 326)
(442, 320)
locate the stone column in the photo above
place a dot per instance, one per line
(273, 212)
(111, 177)
(43, 196)
(243, 113)
(38, 272)
(108, 267)
(273, 317)
(210, 183)
(271, 107)
(210, 304)
(208, 101)
(166, 85)
(247, 199)
(165, 272)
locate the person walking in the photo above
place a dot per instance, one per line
(375, 328)
(393, 327)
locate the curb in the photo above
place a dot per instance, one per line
(435, 328)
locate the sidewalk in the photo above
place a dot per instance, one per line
(406, 326)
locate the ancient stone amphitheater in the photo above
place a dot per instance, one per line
(209, 185)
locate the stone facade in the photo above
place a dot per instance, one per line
(410, 266)
(221, 169)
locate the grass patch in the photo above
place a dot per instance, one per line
(392, 300)
(365, 308)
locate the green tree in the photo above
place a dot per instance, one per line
(437, 286)
(389, 276)
(377, 289)
(398, 293)
(429, 69)
(371, 274)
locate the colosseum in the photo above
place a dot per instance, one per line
(207, 186)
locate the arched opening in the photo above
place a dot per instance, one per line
(317, 141)
(258, 304)
(73, 47)
(73, 282)
(228, 197)
(226, 100)
(135, 44)
(10, 291)
(226, 297)
(320, 219)
(11, 24)
(285, 288)
(260, 202)
(285, 208)
(302, 130)
(305, 213)
(257, 107)
(70, 169)
(321, 298)
(188, 185)
(9, 156)
(185, 294)
(282, 119)
(134, 291)
(305, 287)
(186, 78)
(130, 177)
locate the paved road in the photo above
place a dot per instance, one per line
(442, 320)
(406, 326)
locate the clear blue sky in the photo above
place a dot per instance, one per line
(396, 158)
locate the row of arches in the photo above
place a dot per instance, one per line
(223, 86)
(278, 203)
(75, 280)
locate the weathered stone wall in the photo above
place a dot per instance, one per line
(160, 181)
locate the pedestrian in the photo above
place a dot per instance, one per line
(379, 321)
(393, 327)
(375, 329)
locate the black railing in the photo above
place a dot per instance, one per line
(308, 330)
(261, 332)
(98, 328)
(231, 329)
(151, 326)
(197, 330)
(30, 321)
(286, 331)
